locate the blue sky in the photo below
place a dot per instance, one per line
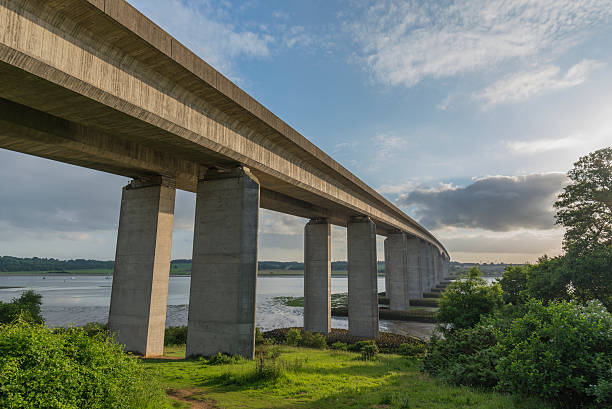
(464, 113)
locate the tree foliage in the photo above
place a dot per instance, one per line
(27, 306)
(68, 369)
(584, 208)
(466, 300)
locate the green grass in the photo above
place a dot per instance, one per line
(324, 379)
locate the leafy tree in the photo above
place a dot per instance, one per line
(585, 206)
(559, 352)
(514, 284)
(466, 300)
(548, 280)
(591, 275)
(27, 307)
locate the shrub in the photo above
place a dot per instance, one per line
(27, 306)
(547, 280)
(559, 352)
(93, 329)
(386, 341)
(465, 356)
(293, 337)
(175, 336)
(339, 346)
(40, 368)
(311, 340)
(412, 349)
(221, 359)
(358, 346)
(259, 338)
(513, 284)
(369, 351)
(466, 300)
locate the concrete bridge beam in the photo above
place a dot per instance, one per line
(317, 276)
(142, 266)
(362, 278)
(224, 272)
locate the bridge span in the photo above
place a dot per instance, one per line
(96, 84)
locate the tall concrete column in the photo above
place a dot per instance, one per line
(402, 264)
(446, 267)
(362, 278)
(224, 271)
(423, 266)
(317, 276)
(142, 266)
(437, 266)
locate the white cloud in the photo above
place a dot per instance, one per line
(202, 29)
(525, 85)
(404, 42)
(543, 145)
(387, 145)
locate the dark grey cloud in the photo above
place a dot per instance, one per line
(497, 203)
(44, 195)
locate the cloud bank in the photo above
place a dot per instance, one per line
(405, 42)
(497, 203)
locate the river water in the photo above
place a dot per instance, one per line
(76, 300)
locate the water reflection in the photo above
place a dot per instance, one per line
(81, 299)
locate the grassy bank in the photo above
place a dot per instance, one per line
(319, 379)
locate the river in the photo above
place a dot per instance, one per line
(76, 300)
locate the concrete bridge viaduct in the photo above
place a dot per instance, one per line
(96, 84)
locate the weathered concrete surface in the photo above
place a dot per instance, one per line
(402, 258)
(142, 265)
(362, 278)
(224, 271)
(317, 276)
(116, 93)
(413, 268)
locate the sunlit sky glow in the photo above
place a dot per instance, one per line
(466, 114)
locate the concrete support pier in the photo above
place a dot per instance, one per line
(425, 267)
(142, 266)
(362, 278)
(224, 272)
(402, 255)
(317, 276)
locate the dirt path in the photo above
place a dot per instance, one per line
(184, 395)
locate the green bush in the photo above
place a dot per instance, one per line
(412, 349)
(466, 300)
(547, 280)
(175, 336)
(358, 346)
(464, 357)
(220, 359)
(561, 352)
(27, 306)
(339, 346)
(369, 351)
(293, 337)
(513, 284)
(311, 340)
(40, 368)
(259, 338)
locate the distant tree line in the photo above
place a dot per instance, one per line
(8, 263)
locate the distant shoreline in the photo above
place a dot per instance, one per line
(81, 273)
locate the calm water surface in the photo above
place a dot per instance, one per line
(80, 299)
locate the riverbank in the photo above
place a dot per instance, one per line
(317, 379)
(173, 273)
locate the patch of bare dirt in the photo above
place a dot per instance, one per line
(185, 395)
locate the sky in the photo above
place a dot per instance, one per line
(465, 114)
